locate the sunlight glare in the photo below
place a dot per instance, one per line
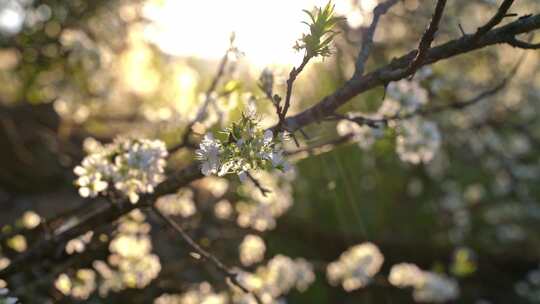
(265, 30)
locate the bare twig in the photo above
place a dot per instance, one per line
(427, 37)
(290, 82)
(496, 19)
(513, 41)
(368, 33)
(231, 275)
(257, 183)
(208, 99)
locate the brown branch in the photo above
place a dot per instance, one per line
(522, 44)
(427, 37)
(184, 143)
(496, 19)
(290, 82)
(367, 35)
(398, 69)
(257, 183)
(232, 276)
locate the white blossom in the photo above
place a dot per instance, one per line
(252, 250)
(260, 211)
(364, 135)
(132, 166)
(275, 279)
(180, 203)
(428, 287)
(246, 147)
(208, 153)
(418, 141)
(355, 267)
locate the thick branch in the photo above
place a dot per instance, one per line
(398, 69)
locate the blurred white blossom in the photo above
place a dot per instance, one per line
(428, 287)
(180, 203)
(364, 135)
(355, 267)
(252, 250)
(131, 166)
(418, 140)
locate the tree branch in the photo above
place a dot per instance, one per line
(398, 69)
(427, 37)
(232, 276)
(513, 41)
(367, 35)
(496, 19)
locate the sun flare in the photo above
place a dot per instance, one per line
(265, 30)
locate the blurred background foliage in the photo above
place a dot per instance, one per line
(75, 69)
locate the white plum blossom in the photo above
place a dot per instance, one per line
(428, 287)
(252, 250)
(418, 140)
(201, 293)
(92, 172)
(131, 263)
(279, 276)
(180, 203)
(245, 147)
(405, 275)
(131, 166)
(436, 288)
(260, 211)
(208, 153)
(355, 267)
(408, 95)
(80, 286)
(364, 135)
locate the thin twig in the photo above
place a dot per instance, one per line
(522, 44)
(257, 183)
(367, 35)
(231, 275)
(427, 37)
(208, 99)
(496, 19)
(290, 82)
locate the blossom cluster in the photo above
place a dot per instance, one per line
(417, 141)
(251, 250)
(271, 281)
(364, 135)
(131, 263)
(243, 147)
(260, 211)
(130, 166)
(180, 203)
(356, 267)
(428, 287)
(199, 293)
